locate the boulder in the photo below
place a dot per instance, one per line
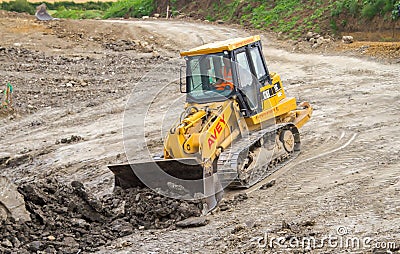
(347, 39)
(193, 222)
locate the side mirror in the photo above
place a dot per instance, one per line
(182, 84)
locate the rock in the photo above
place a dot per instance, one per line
(240, 197)
(156, 15)
(70, 241)
(122, 227)
(220, 21)
(73, 138)
(268, 185)
(308, 223)
(50, 250)
(18, 160)
(312, 41)
(4, 157)
(16, 242)
(238, 228)
(83, 82)
(6, 243)
(250, 223)
(81, 223)
(309, 35)
(320, 40)
(69, 84)
(347, 39)
(51, 238)
(145, 17)
(193, 222)
(363, 49)
(77, 185)
(163, 212)
(285, 225)
(223, 207)
(35, 246)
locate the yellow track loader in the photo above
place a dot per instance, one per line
(238, 125)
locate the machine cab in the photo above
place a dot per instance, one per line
(221, 70)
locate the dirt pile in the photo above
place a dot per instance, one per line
(379, 50)
(108, 36)
(67, 219)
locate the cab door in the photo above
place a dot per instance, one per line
(248, 85)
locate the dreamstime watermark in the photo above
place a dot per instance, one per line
(341, 240)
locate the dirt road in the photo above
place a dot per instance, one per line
(71, 79)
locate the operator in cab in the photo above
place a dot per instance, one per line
(226, 82)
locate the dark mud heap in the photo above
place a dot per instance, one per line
(67, 219)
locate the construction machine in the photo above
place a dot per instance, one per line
(238, 125)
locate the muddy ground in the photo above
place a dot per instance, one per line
(73, 79)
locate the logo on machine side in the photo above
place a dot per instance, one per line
(217, 131)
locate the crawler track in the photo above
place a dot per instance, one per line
(255, 157)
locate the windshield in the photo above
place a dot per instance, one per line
(209, 77)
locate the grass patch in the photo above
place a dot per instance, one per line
(130, 8)
(18, 6)
(78, 14)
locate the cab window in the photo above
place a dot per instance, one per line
(244, 72)
(258, 63)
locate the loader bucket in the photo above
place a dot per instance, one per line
(164, 174)
(149, 174)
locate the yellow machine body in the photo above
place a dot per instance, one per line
(211, 123)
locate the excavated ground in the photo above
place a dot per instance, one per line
(67, 219)
(72, 81)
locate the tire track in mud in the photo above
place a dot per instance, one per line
(309, 156)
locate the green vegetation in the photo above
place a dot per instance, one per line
(18, 6)
(294, 17)
(71, 10)
(368, 9)
(78, 6)
(88, 10)
(130, 8)
(396, 11)
(64, 9)
(78, 14)
(291, 17)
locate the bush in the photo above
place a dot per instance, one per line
(130, 8)
(19, 6)
(354, 7)
(396, 11)
(368, 11)
(375, 7)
